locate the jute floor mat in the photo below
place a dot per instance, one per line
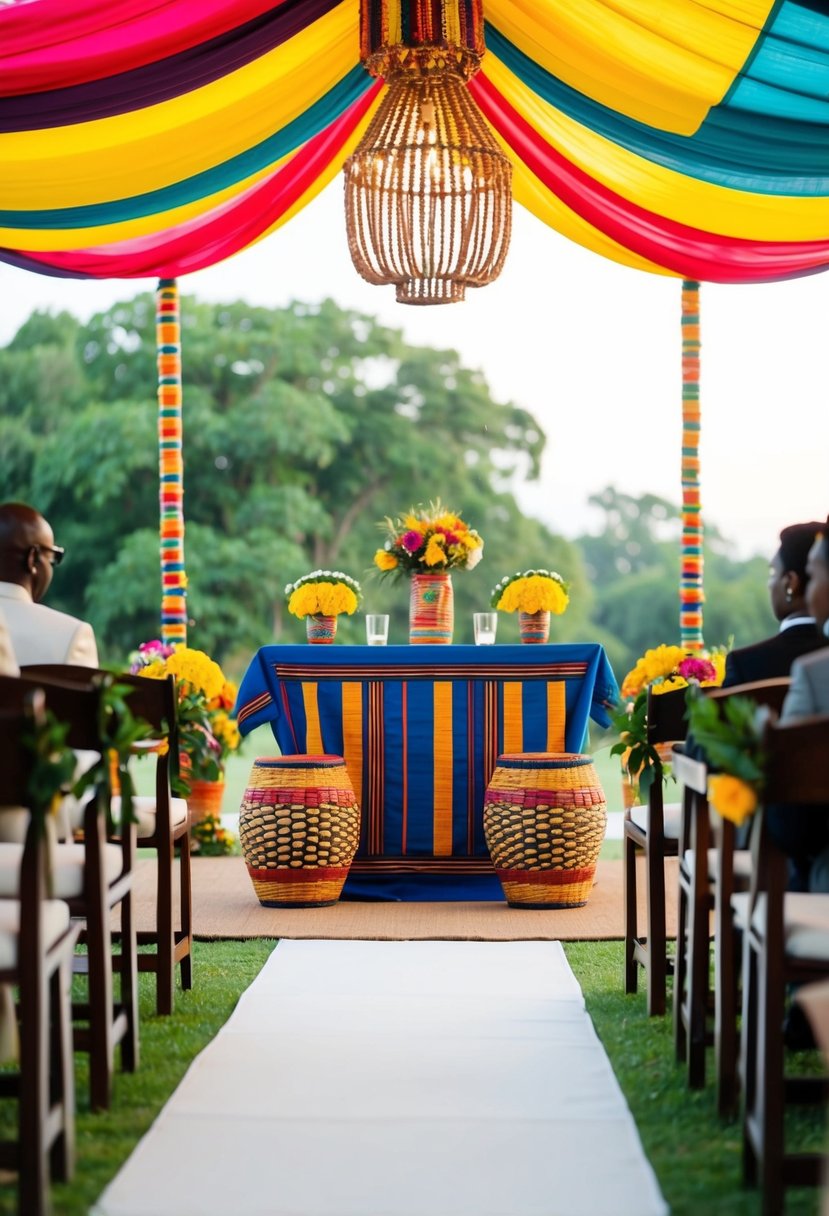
(225, 906)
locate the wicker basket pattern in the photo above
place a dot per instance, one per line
(544, 823)
(299, 827)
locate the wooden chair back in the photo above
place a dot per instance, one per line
(797, 772)
(43, 1084)
(700, 892)
(171, 946)
(665, 724)
(103, 1021)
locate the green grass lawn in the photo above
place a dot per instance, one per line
(696, 1157)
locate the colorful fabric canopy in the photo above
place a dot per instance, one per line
(157, 137)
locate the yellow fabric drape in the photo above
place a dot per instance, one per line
(676, 196)
(664, 65)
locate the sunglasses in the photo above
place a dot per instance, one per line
(56, 552)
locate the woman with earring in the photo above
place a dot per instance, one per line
(797, 633)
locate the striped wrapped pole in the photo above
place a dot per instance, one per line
(691, 594)
(170, 464)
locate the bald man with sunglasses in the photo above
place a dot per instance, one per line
(28, 557)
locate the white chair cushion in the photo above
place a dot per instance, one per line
(806, 921)
(742, 863)
(672, 814)
(144, 810)
(55, 922)
(67, 866)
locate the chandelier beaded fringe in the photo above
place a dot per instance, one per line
(428, 192)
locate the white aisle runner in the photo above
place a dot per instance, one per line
(361, 1078)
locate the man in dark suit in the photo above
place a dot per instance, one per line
(798, 633)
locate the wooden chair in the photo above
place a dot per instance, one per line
(94, 878)
(162, 825)
(37, 942)
(785, 942)
(703, 890)
(653, 831)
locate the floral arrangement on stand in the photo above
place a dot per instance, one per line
(320, 597)
(207, 732)
(428, 544)
(729, 733)
(533, 594)
(660, 670)
(210, 839)
(428, 540)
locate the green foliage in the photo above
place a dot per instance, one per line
(729, 732)
(643, 764)
(302, 427)
(52, 763)
(119, 730)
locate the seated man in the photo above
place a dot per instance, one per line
(803, 832)
(28, 556)
(797, 634)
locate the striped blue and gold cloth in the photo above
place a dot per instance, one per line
(421, 730)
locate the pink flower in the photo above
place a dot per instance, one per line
(411, 541)
(697, 669)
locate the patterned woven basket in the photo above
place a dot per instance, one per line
(544, 821)
(299, 827)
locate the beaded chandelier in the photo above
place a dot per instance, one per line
(428, 192)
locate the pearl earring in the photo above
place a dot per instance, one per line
(788, 595)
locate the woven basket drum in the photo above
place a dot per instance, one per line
(299, 826)
(544, 821)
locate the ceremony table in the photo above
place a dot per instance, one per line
(421, 729)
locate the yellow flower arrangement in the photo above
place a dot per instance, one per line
(428, 539)
(661, 669)
(665, 668)
(533, 591)
(207, 733)
(323, 593)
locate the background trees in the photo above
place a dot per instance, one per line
(304, 427)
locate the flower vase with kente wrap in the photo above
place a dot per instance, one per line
(431, 609)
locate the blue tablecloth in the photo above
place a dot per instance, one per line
(421, 728)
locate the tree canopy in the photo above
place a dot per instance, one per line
(303, 427)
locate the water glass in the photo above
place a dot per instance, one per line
(377, 628)
(485, 625)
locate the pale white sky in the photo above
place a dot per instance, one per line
(590, 348)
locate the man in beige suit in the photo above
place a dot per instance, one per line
(28, 556)
(8, 662)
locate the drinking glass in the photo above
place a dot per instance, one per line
(377, 628)
(485, 625)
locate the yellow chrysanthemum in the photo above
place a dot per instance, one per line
(669, 684)
(435, 554)
(198, 670)
(157, 670)
(732, 797)
(717, 657)
(385, 560)
(322, 599)
(534, 594)
(225, 729)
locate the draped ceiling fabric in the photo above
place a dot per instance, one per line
(157, 137)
